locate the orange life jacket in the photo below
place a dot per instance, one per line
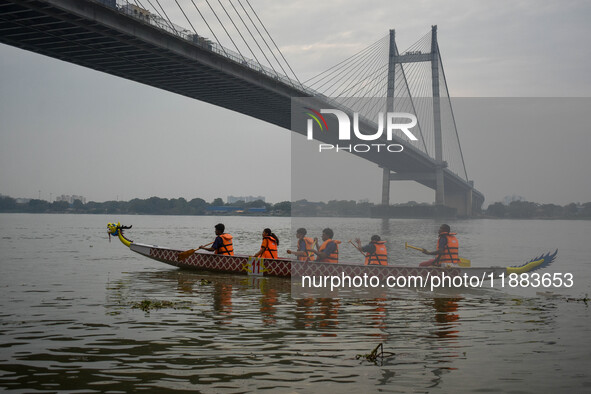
(227, 247)
(270, 246)
(380, 257)
(450, 253)
(309, 246)
(333, 257)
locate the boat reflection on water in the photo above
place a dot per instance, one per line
(230, 318)
(231, 297)
(318, 314)
(222, 301)
(447, 317)
(223, 292)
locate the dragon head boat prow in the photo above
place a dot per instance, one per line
(537, 263)
(116, 230)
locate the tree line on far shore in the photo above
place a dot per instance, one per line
(198, 206)
(149, 206)
(532, 210)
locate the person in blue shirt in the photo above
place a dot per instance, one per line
(305, 246)
(223, 242)
(328, 252)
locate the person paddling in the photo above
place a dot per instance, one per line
(223, 242)
(269, 245)
(375, 252)
(305, 246)
(328, 252)
(447, 251)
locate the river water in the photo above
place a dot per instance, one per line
(68, 321)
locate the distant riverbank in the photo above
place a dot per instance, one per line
(300, 208)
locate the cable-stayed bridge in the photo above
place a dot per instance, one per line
(138, 40)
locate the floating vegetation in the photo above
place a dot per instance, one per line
(584, 299)
(205, 282)
(555, 296)
(148, 305)
(376, 353)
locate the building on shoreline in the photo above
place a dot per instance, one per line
(233, 199)
(70, 199)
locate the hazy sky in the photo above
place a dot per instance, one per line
(65, 129)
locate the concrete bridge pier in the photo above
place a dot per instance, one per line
(462, 201)
(467, 202)
(440, 196)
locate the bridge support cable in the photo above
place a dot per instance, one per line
(352, 86)
(224, 27)
(355, 77)
(273, 41)
(364, 79)
(139, 4)
(243, 39)
(210, 29)
(370, 82)
(160, 15)
(172, 26)
(255, 40)
(361, 78)
(249, 44)
(345, 72)
(413, 75)
(453, 119)
(186, 17)
(411, 100)
(359, 54)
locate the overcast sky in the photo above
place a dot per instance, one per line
(65, 129)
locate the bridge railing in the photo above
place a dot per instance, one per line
(147, 16)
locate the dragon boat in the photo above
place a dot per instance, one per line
(283, 267)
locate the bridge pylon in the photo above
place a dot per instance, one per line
(461, 200)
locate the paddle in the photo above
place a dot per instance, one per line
(357, 247)
(464, 263)
(187, 253)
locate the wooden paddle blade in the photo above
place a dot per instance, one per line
(465, 263)
(186, 253)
